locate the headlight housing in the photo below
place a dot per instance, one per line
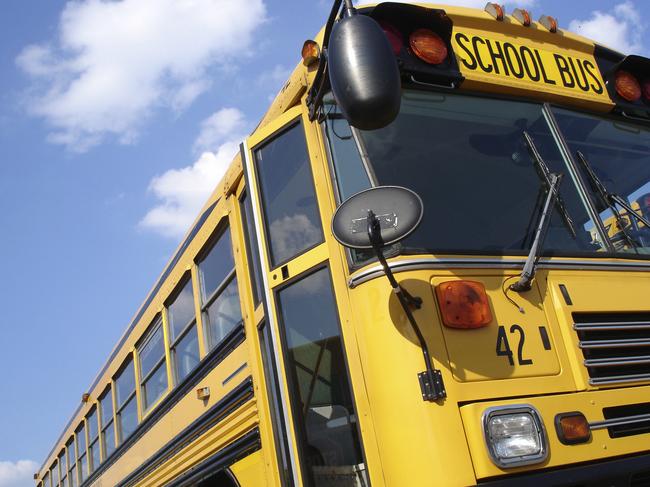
(515, 435)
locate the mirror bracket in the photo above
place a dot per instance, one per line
(431, 383)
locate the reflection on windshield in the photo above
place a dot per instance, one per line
(619, 155)
(467, 159)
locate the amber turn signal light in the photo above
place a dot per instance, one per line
(428, 46)
(463, 304)
(572, 428)
(310, 52)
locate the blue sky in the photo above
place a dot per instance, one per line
(116, 120)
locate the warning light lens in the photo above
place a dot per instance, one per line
(463, 304)
(646, 90)
(394, 36)
(310, 52)
(627, 86)
(572, 428)
(428, 46)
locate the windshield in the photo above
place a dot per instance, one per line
(469, 160)
(619, 155)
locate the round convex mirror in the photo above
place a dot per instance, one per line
(399, 211)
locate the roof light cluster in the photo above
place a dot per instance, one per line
(521, 15)
(423, 43)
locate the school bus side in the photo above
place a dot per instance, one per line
(174, 429)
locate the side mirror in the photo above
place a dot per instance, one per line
(363, 72)
(377, 217)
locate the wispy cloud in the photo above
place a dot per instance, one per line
(17, 474)
(182, 192)
(620, 29)
(114, 63)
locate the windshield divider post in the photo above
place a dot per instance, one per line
(579, 181)
(431, 383)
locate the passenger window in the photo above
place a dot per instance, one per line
(288, 199)
(107, 426)
(72, 463)
(127, 411)
(55, 474)
(82, 460)
(320, 392)
(93, 440)
(220, 306)
(63, 469)
(183, 335)
(153, 370)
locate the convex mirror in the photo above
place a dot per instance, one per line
(398, 210)
(363, 73)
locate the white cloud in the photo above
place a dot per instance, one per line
(217, 126)
(115, 62)
(620, 29)
(463, 3)
(182, 192)
(17, 474)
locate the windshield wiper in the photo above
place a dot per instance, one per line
(611, 200)
(526, 278)
(553, 199)
(544, 173)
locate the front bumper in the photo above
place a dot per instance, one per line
(620, 472)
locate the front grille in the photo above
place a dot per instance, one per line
(628, 420)
(615, 346)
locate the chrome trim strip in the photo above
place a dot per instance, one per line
(614, 325)
(622, 343)
(619, 379)
(413, 264)
(279, 366)
(608, 423)
(614, 361)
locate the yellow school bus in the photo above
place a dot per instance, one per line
(406, 277)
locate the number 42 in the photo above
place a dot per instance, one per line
(503, 346)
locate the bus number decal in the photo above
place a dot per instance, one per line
(503, 345)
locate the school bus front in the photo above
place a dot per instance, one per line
(553, 388)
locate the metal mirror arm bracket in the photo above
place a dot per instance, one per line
(431, 382)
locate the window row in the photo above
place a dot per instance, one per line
(166, 354)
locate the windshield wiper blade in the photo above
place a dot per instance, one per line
(544, 173)
(528, 273)
(611, 200)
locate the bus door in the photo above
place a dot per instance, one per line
(317, 413)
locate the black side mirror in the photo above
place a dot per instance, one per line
(363, 72)
(377, 217)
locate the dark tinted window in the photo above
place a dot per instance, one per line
(220, 306)
(288, 199)
(320, 392)
(251, 248)
(216, 264)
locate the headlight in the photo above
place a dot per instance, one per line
(514, 435)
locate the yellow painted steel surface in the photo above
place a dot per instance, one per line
(406, 441)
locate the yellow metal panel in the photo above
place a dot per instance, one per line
(591, 404)
(249, 471)
(473, 353)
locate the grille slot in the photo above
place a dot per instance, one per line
(615, 346)
(635, 419)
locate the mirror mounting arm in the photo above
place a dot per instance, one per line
(431, 383)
